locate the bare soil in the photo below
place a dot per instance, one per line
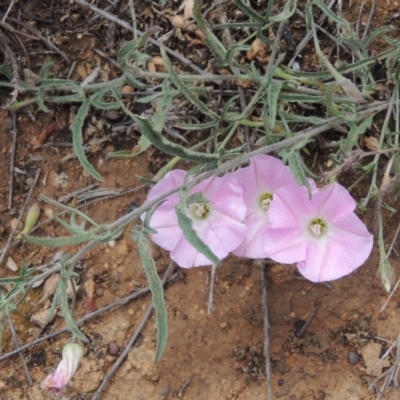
(208, 357)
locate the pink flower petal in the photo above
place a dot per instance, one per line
(252, 245)
(171, 180)
(285, 245)
(222, 230)
(332, 202)
(264, 175)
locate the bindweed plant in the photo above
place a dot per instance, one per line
(234, 198)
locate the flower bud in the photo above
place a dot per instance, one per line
(71, 356)
(31, 219)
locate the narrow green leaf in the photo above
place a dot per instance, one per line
(329, 103)
(142, 145)
(60, 241)
(162, 107)
(167, 146)
(156, 289)
(376, 33)
(284, 15)
(128, 49)
(296, 165)
(331, 15)
(355, 132)
(274, 90)
(61, 296)
(250, 12)
(77, 140)
(213, 43)
(184, 89)
(186, 224)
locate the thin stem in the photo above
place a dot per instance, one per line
(12, 233)
(266, 332)
(211, 292)
(129, 345)
(12, 159)
(17, 345)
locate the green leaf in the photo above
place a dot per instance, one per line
(186, 224)
(167, 146)
(77, 140)
(296, 165)
(184, 89)
(274, 90)
(213, 43)
(163, 107)
(250, 12)
(331, 15)
(128, 50)
(196, 198)
(355, 132)
(142, 145)
(61, 297)
(60, 241)
(156, 289)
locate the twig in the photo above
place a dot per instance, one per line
(69, 196)
(266, 332)
(42, 38)
(87, 317)
(306, 325)
(125, 25)
(128, 347)
(12, 159)
(12, 233)
(8, 11)
(185, 385)
(16, 342)
(370, 16)
(307, 38)
(359, 17)
(40, 224)
(211, 292)
(398, 281)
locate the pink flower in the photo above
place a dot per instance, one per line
(260, 181)
(71, 356)
(322, 234)
(218, 223)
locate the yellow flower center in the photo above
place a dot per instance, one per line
(265, 201)
(317, 227)
(199, 210)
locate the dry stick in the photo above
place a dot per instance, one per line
(210, 307)
(37, 226)
(359, 17)
(242, 97)
(125, 25)
(266, 331)
(8, 11)
(371, 14)
(42, 38)
(87, 317)
(16, 31)
(398, 281)
(324, 31)
(307, 38)
(7, 246)
(16, 342)
(128, 347)
(12, 159)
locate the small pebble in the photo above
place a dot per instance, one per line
(353, 357)
(99, 292)
(113, 348)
